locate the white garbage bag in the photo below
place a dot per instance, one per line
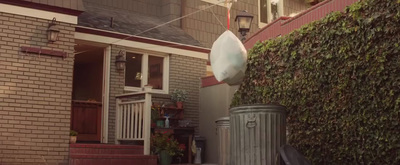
(228, 59)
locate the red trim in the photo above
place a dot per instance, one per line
(107, 146)
(44, 7)
(139, 39)
(209, 81)
(112, 156)
(313, 13)
(43, 51)
(307, 11)
(267, 26)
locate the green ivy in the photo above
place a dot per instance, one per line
(340, 81)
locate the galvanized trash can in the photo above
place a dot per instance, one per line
(223, 140)
(257, 133)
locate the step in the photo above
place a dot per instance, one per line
(111, 159)
(107, 149)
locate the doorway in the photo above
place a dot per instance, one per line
(87, 93)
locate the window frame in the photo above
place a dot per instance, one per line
(280, 12)
(145, 69)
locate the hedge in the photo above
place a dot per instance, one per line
(339, 77)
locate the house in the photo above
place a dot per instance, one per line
(215, 97)
(79, 80)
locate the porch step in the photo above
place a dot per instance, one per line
(77, 149)
(100, 159)
(105, 154)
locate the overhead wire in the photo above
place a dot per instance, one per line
(163, 24)
(176, 19)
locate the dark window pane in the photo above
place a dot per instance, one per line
(263, 11)
(133, 72)
(156, 72)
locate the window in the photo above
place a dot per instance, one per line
(146, 69)
(268, 11)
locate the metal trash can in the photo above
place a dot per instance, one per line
(223, 140)
(257, 133)
(201, 148)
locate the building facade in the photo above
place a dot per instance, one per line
(44, 84)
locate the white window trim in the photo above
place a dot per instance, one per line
(145, 67)
(280, 12)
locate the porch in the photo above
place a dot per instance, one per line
(132, 133)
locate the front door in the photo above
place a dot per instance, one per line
(87, 93)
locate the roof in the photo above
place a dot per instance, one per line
(127, 22)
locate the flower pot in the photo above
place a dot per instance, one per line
(179, 104)
(165, 158)
(72, 139)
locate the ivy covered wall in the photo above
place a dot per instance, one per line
(340, 80)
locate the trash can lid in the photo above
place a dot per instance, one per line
(222, 119)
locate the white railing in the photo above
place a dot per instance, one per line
(133, 119)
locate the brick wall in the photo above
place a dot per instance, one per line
(185, 73)
(35, 92)
(117, 83)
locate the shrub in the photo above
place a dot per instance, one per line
(340, 80)
(165, 142)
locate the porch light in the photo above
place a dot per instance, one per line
(244, 20)
(52, 31)
(120, 61)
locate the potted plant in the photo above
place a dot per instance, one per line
(72, 136)
(166, 147)
(179, 96)
(154, 115)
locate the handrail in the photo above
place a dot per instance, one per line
(134, 119)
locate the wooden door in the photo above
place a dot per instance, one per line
(86, 120)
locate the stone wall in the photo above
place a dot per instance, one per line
(35, 92)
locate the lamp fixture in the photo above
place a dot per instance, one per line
(244, 20)
(120, 60)
(52, 31)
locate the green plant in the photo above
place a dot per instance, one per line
(73, 133)
(164, 142)
(179, 95)
(155, 113)
(339, 79)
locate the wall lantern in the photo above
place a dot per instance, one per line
(52, 31)
(120, 61)
(244, 20)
